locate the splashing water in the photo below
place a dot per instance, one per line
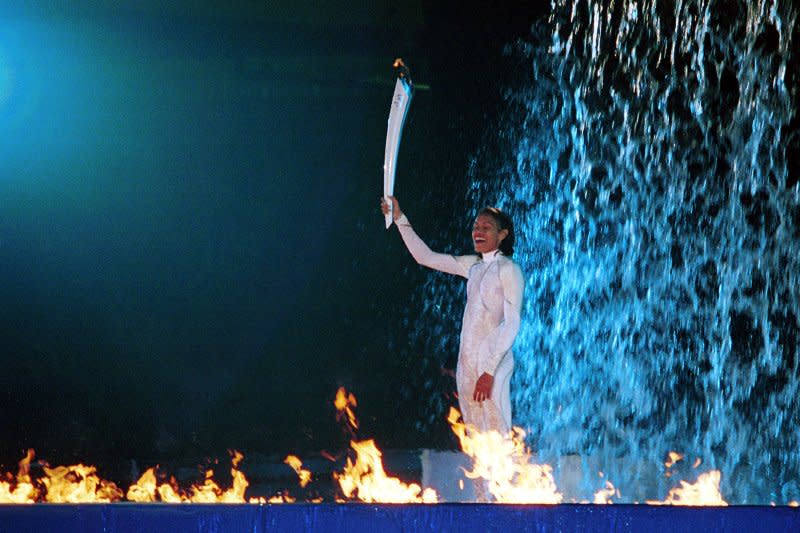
(644, 161)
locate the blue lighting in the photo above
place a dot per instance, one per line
(6, 80)
(644, 161)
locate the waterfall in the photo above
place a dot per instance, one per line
(643, 156)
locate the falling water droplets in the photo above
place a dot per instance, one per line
(657, 225)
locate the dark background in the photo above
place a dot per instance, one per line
(191, 253)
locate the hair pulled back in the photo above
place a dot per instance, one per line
(504, 222)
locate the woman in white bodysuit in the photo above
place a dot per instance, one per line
(491, 316)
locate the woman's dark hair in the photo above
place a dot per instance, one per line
(503, 222)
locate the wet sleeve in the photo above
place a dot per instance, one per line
(458, 265)
(500, 341)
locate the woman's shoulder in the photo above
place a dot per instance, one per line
(508, 264)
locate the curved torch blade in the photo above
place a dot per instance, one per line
(403, 91)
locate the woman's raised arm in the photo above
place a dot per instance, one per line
(422, 254)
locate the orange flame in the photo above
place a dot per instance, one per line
(23, 491)
(297, 466)
(604, 495)
(672, 458)
(146, 489)
(81, 484)
(344, 403)
(504, 461)
(210, 492)
(366, 479)
(281, 498)
(705, 491)
(302, 473)
(78, 484)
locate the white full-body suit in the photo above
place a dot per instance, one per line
(491, 322)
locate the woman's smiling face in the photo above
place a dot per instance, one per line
(486, 235)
